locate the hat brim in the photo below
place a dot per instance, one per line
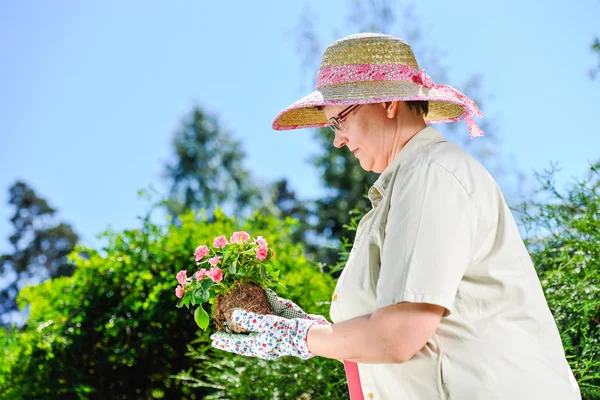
(443, 106)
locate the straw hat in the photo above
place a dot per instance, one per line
(374, 68)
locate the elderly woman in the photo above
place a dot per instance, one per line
(439, 298)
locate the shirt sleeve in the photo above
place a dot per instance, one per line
(428, 239)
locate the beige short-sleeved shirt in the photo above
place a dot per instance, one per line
(440, 232)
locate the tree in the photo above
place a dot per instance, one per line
(208, 169)
(208, 172)
(283, 202)
(40, 246)
(596, 49)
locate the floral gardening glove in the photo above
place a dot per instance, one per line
(288, 309)
(271, 336)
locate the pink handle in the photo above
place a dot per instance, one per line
(353, 378)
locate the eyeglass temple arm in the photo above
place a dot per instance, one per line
(343, 114)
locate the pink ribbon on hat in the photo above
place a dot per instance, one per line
(422, 78)
(399, 72)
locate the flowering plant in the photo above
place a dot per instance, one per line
(231, 274)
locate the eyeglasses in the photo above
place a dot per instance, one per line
(336, 123)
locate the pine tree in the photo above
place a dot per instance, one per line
(40, 246)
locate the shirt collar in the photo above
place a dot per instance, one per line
(421, 140)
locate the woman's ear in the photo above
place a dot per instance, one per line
(392, 108)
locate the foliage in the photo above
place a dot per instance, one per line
(284, 202)
(230, 376)
(40, 245)
(596, 49)
(207, 171)
(564, 241)
(237, 377)
(241, 261)
(110, 331)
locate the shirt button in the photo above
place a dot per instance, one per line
(371, 396)
(335, 297)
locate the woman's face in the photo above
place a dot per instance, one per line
(366, 134)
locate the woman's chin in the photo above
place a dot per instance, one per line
(366, 166)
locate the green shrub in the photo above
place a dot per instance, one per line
(230, 376)
(237, 377)
(565, 247)
(112, 331)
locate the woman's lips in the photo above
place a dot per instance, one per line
(354, 151)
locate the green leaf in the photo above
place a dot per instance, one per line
(206, 284)
(146, 275)
(186, 301)
(232, 267)
(205, 295)
(201, 318)
(263, 272)
(200, 296)
(180, 303)
(226, 256)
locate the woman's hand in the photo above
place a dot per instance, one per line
(288, 309)
(271, 336)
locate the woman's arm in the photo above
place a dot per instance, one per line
(392, 334)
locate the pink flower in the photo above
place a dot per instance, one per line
(262, 253)
(239, 237)
(179, 291)
(201, 252)
(181, 277)
(262, 243)
(220, 242)
(200, 274)
(216, 274)
(214, 261)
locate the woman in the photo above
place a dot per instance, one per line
(439, 298)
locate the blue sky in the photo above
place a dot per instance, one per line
(92, 92)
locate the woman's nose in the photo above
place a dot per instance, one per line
(339, 140)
